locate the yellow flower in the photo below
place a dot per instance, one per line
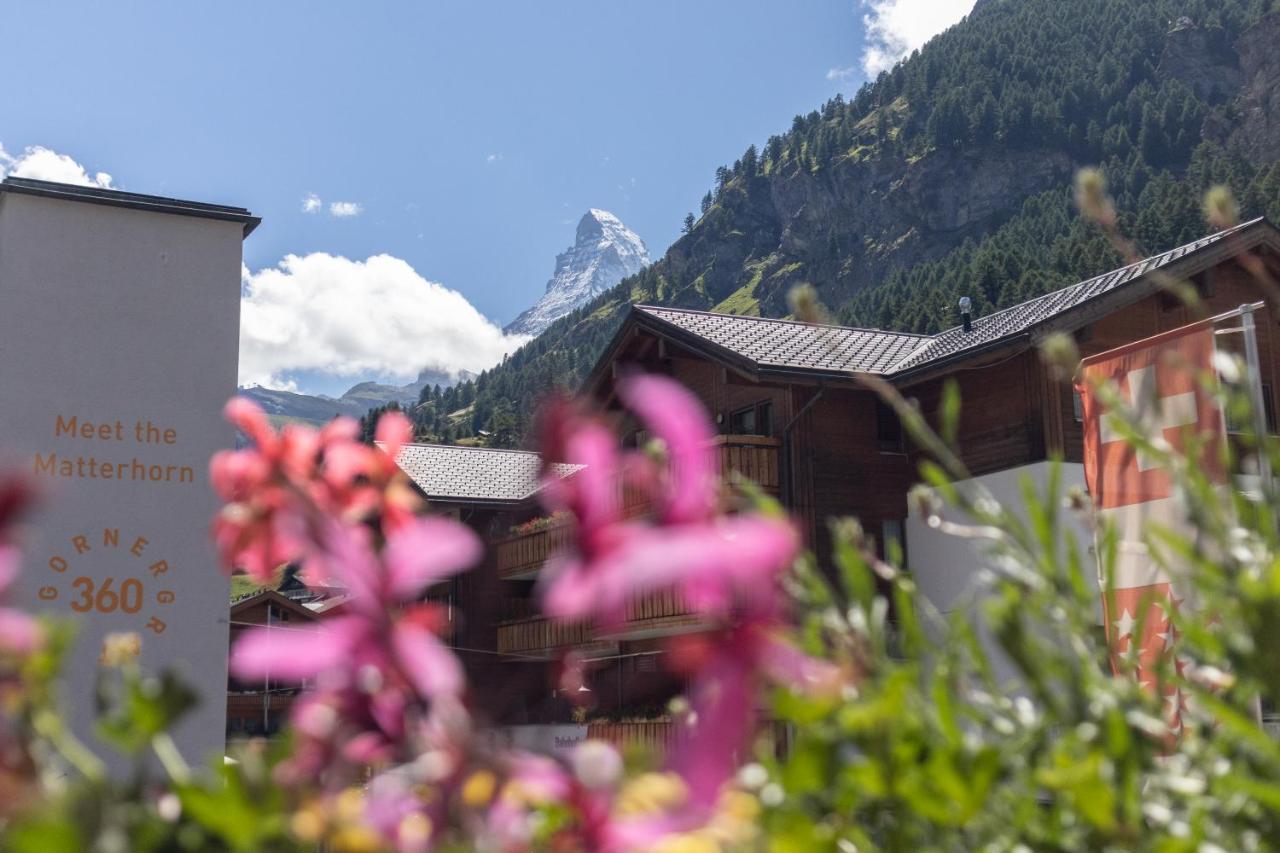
(415, 831)
(689, 842)
(307, 823)
(650, 793)
(478, 790)
(355, 839)
(349, 805)
(120, 648)
(735, 818)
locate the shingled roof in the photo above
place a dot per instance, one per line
(474, 474)
(1022, 317)
(790, 345)
(762, 346)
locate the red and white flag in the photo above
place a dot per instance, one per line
(1162, 380)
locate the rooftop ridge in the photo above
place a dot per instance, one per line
(835, 326)
(1214, 237)
(464, 447)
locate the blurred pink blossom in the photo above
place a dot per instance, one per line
(712, 560)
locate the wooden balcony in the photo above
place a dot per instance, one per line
(754, 457)
(655, 615)
(658, 737)
(522, 556)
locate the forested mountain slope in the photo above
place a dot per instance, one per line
(949, 175)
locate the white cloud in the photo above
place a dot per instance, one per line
(342, 317)
(312, 203)
(344, 209)
(894, 28)
(842, 75)
(42, 164)
(493, 158)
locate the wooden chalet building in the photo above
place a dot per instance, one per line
(260, 709)
(841, 452)
(510, 652)
(794, 417)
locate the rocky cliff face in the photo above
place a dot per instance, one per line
(604, 253)
(848, 226)
(1258, 107)
(1203, 59)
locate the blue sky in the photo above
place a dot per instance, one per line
(464, 138)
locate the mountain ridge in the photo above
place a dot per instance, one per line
(603, 253)
(356, 401)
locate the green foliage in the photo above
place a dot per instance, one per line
(932, 751)
(133, 710)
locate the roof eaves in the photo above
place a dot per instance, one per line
(813, 375)
(495, 503)
(696, 342)
(927, 368)
(272, 595)
(133, 201)
(590, 383)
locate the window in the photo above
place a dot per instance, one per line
(756, 419)
(888, 429)
(893, 545)
(1204, 284)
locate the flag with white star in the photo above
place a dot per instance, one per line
(1164, 383)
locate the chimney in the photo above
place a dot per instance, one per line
(965, 306)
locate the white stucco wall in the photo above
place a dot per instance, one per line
(122, 319)
(947, 567)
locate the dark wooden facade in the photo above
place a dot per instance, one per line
(826, 446)
(836, 459)
(261, 709)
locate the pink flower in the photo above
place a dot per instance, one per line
(276, 489)
(374, 666)
(533, 782)
(19, 632)
(726, 567)
(714, 561)
(678, 419)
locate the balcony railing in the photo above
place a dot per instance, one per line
(653, 615)
(754, 457)
(522, 556)
(660, 736)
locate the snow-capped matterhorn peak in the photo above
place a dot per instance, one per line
(604, 253)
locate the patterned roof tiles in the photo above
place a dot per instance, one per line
(793, 345)
(1021, 317)
(446, 472)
